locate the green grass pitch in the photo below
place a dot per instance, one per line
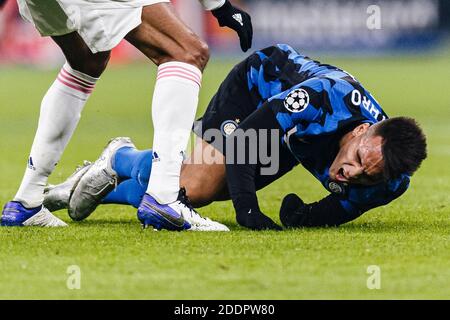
(409, 240)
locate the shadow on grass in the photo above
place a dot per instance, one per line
(104, 223)
(395, 226)
(370, 227)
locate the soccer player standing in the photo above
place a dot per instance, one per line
(86, 31)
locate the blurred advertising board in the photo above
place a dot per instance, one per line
(332, 26)
(340, 25)
(20, 43)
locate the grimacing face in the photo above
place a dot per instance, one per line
(360, 158)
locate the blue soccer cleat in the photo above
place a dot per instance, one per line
(16, 215)
(160, 216)
(179, 215)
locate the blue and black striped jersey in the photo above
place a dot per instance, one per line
(315, 105)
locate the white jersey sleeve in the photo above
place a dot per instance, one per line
(212, 4)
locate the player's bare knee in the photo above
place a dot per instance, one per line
(97, 64)
(196, 53)
(91, 64)
(200, 55)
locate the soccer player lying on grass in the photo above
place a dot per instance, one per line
(321, 116)
(87, 31)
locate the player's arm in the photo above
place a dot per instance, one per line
(241, 176)
(273, 115)
(235, 18)
(329, 211)
(335, 210)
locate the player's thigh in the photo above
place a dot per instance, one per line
(80, 57)
(203, 174)
(163, 37)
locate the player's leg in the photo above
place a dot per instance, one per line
(101, 178)
(203, 175)
(60, 112)
(80, 57)
(133, 166)
(231, 104)
(128, 192)
(164, 38)
(120, 176)
(181, 57)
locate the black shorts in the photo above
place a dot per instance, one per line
(229, 107)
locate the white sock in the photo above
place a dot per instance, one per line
(173, 110)
(60, 112)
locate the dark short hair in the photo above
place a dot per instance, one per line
(404, 146)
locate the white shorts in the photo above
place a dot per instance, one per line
(101, 23)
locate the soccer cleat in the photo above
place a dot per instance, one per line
(197, 222)
(99, 180)
(56, 197)
(179, 215)
(161, 216)
(16, 215)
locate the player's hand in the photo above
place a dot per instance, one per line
(293, 211)
(256, 220)
(238, 20)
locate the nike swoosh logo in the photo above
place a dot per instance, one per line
(178, 222)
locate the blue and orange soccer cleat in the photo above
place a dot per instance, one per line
(16, 215)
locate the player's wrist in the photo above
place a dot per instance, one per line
(246, 204)
(222, 10)
(249, 215)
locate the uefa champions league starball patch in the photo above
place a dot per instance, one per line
(297, 100)
(228, 127)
